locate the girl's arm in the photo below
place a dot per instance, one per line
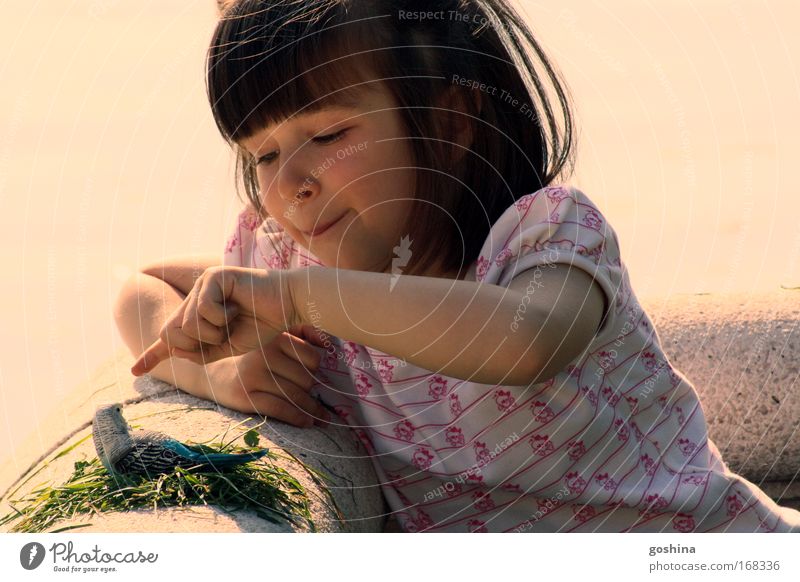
(484, 333)
(144, 302)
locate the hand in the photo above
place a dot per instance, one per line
(274, 381)
(229, 311)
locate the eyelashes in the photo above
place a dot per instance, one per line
(322, 140)
(330, 138)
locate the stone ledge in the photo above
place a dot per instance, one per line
(334, 451)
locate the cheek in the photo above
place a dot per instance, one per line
(384, 220)
(387, 165)
(267, 200)
(350, 173)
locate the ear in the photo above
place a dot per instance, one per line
(458, 115)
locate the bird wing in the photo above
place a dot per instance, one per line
(152, 457)
(154, 452)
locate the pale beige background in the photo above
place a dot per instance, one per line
(109, 158)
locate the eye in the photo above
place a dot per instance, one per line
(330, 138)
(322, 139)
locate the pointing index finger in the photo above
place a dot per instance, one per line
(150, 358)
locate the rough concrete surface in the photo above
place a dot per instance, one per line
(155, 405)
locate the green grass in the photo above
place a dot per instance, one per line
(259, 486)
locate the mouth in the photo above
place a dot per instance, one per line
(324, 227)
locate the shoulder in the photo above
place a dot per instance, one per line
(553, 205)
(554, 220)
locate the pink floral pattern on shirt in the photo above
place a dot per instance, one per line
(587, 450)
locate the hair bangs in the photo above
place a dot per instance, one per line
(256, 52)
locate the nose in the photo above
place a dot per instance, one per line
(296, 182)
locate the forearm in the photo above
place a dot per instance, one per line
(453, 327)
(142, 307)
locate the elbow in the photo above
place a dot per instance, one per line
(127, 309)
(527, 373)
(128, 297)
(120, 309)
(535, 356)
(122, 302)
(552, 342)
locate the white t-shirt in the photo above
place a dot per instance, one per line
(616, 442)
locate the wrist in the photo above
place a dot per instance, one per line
(304, 285)
(295, 287)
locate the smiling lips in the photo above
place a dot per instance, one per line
(321, 229)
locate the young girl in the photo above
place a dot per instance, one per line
(474, 320)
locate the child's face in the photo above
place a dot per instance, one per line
(364, 175)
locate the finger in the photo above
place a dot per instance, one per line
(292, 405)
(204, 332)
(207, 315)
(150, 358)
(172, 333)
(207, 353)
(311, 334)
(316, 336)
(299, 397)
(299, 350)
(212, 304)
(189, 306)
(289, 368)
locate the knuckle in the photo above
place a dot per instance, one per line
(213, 335)
(308, 382)
(203, 306)
(207, 309)
(190, 332)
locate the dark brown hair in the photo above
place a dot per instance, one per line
(270, 59)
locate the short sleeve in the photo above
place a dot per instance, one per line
(260, 243)
(557, 224)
